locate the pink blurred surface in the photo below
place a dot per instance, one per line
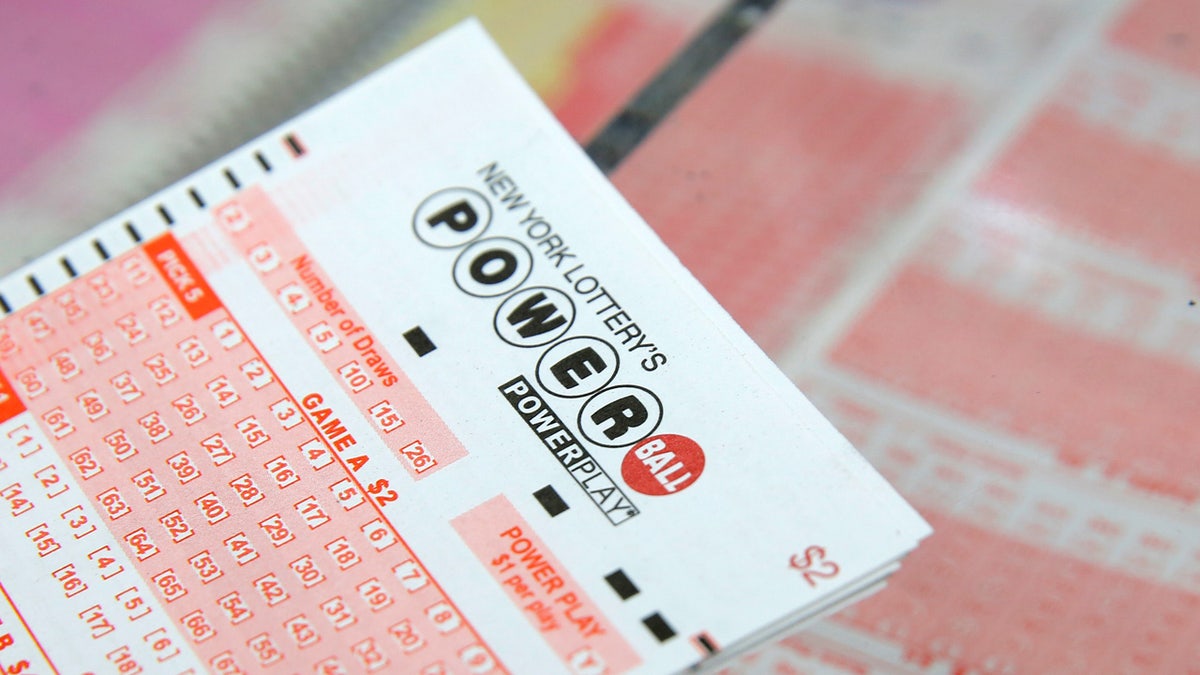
(1024, 373)
(63, 62)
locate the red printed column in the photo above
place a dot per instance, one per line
(10, 404)
(354, 355)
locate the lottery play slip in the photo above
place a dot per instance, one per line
(405, 386)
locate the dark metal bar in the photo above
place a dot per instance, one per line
(690, 66)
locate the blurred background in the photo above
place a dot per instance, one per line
(967, 229)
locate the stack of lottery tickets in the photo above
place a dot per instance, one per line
(405, 386)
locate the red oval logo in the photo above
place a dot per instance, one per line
(663, 464)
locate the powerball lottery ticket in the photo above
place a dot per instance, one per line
(406, 386)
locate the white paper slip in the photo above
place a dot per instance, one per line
(406, 386)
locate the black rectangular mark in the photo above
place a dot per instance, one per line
(229, 176)
(137, 236)
(4, 305)
(622, 584)
(196, 197)
(706, 643)
(550, 500)
(419, 341)
(96, 243)
(262, 161)
(66, 265)
(659, 627)
(294, 144)
(166, 215)
(35, 285)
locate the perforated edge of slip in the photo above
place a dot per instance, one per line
(162, 211)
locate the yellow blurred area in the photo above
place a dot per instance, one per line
(540, 38)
